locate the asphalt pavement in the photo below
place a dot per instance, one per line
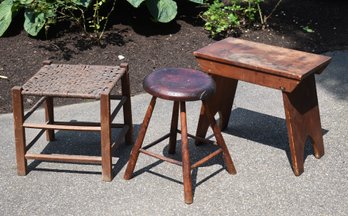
(256, 137)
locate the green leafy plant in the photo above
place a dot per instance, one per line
(225, 18)
(162, 10)
(98, 22)
(38, 13)
(222, 18)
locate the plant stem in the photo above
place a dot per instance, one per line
(107, 19)
(274, 9)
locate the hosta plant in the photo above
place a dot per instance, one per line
(162, 10)
(37, 13)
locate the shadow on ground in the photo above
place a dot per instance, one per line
(263, 129)
(81, 143)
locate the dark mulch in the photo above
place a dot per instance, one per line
(147, 45)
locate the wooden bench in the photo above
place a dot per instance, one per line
(289, 71)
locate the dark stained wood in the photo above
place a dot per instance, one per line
(139, 141)
(19, 130)
(179, 84)
(225, 89)
(64, 158)
(61, 127)
(105, 136)
(303, 121)
(160, 157)
(220, 140)
(127, 107)
(49, 117)
(206, 159)
(264, 58)
(290, 71)
(186, 165)
(173, 128)
(253, 76)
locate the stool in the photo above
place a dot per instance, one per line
(179, 85)
(73, 81)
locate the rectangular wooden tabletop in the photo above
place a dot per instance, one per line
(264, 58)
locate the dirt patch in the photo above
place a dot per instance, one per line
(147, 46)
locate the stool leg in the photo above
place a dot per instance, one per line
(19, 130)
(186, 166)
(105, 136)
(220, 140)
(303, 121)
(173, 128)
(49, 117)
(140, 139)
(222, 103)
(127, 108)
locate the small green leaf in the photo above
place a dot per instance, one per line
(84, 3)
(5, 15)
(135, 3)
(33, 22)
(25, 2)
(307, 29)
(197, 1)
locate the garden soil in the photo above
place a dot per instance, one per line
(310, 25)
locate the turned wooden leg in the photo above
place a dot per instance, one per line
(127, 107)
(19, 130)
(49, 117)
(173, 128)
(303, 121)
(186, 166)
(140, 139)
(221, 102)
(220, 141)
(105, 136)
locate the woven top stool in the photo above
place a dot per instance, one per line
(179, 85)
(73, 81)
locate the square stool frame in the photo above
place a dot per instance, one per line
(91, 82)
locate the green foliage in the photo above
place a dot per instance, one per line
(221, 18)
(162, 11)
(5, 15)
(37, 13)
(98, 22)
(41, 14)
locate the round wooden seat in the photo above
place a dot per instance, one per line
(179, 84)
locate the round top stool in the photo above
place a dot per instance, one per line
(179, 84)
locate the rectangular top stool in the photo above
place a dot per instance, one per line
(290, 71)
(74, 81)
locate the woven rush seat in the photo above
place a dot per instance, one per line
(74, 81)
(179, 85)
(79, 81)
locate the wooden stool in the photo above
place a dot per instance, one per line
(290, 71)
(179, 85)
(73, 81)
